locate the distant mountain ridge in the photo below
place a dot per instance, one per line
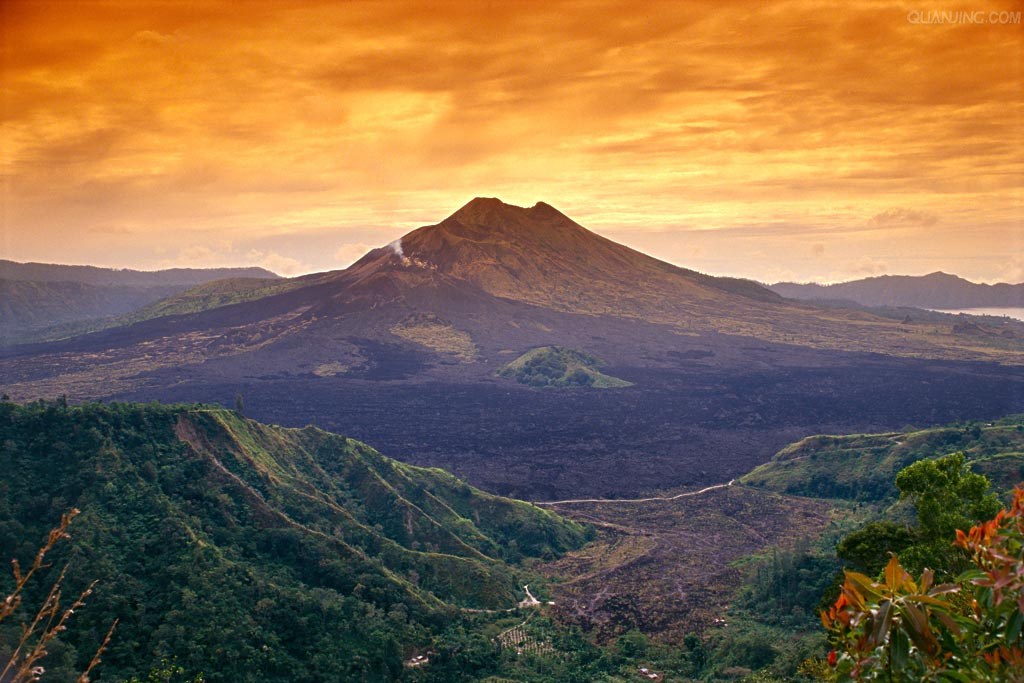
(936, 290)
(42, 300)
(126, 277)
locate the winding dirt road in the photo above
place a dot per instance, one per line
(637, 500)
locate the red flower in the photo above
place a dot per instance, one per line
(832, 658)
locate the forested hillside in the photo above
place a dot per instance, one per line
(250, 552)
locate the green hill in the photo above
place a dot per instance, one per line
(862, 466)
(554, 366)
(214, 294)
(253, 552)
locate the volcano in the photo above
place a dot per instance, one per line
(539, 256)
(410, 349)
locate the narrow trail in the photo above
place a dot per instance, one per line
(637, 500)
(528, 602)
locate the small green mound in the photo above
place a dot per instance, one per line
(555, 366)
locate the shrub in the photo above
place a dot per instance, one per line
(42, 629)
(899, 629)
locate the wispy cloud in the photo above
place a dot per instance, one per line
(903, 217)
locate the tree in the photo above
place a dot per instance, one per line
(167, 672)
(695, 651)
(869, 548)
(632, 644)
(947, 497)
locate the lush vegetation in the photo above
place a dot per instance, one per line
(869, 462)
(912, 491)
(554, 366)
(901, 629)
(961, 619)
(249, 552)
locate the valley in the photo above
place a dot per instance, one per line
(228, 509)
(693, 426)
(671, 567)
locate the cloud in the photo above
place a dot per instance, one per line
(225, 255)
(867, 267)
(194, 119)
(274, 262)
(155, 37)
(197, 257)
(903, 217)
(1012, 272)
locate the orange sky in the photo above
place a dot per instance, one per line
(769, 140)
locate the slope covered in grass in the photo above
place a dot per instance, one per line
(213, 295)
(863, 466)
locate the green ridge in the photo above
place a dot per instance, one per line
(862, 467)
(213, 295)
(253, 552)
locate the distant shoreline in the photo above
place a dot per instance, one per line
(1015, 313)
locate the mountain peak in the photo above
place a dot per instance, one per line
(495, 217)
(482, 209)
(492, 212)
(941, 275)
(544, 211)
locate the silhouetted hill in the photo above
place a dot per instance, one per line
(937, 290)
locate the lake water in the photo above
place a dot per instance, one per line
(1016, 313)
